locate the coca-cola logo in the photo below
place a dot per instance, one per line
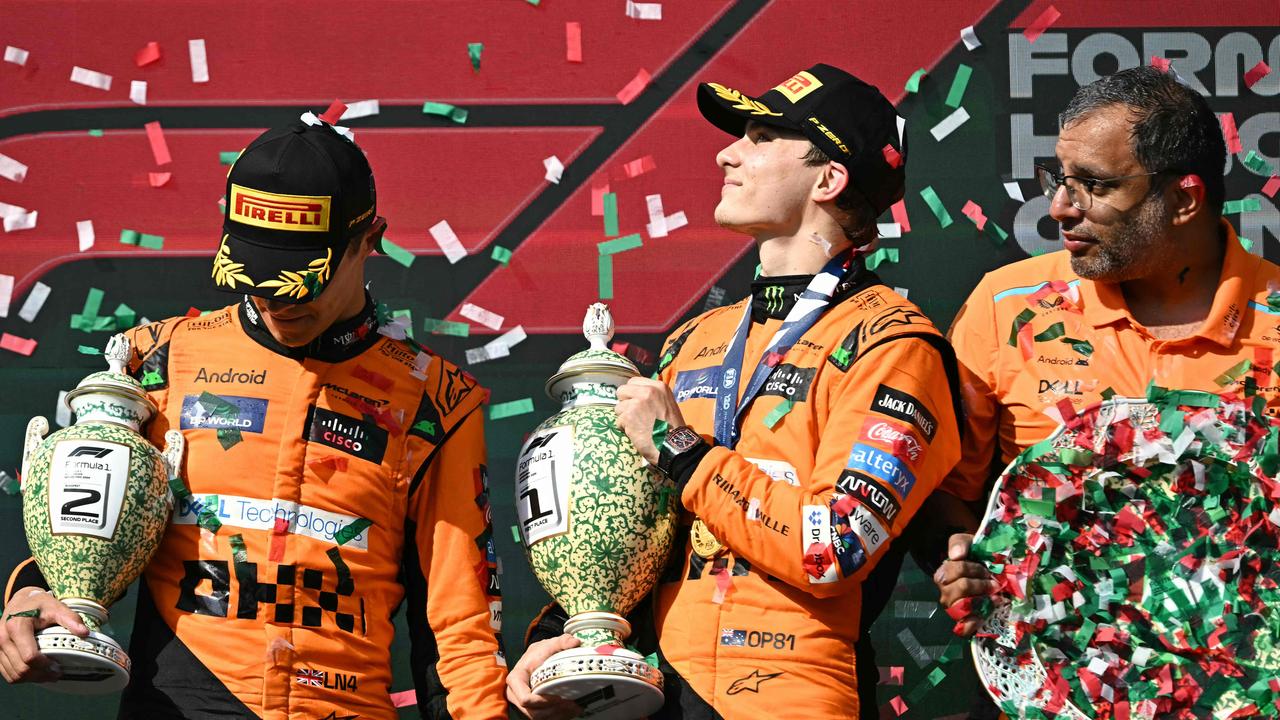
(895, 436)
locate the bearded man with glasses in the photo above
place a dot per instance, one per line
(1153, 286)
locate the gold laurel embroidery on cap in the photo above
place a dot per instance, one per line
(294, 284)
(227, 272)
(742, 102)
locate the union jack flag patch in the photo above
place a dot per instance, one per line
(311, 677)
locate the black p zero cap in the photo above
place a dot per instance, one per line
(295, 197)
(847, 118)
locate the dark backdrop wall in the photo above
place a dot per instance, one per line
(90, 159)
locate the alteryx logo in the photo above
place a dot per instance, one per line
(696, 384)
(236, 413)
(883, 466)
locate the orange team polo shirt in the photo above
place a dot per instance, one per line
(1034, 337)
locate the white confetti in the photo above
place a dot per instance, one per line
(949, 124)
(902, 125)
(361, 108)
(889, 230)
(498, 347)
(1015, 191)
(420, 363)
(657, 226)
(199, 61)
(477, 314)
(62, 413)
(12, 169)
(677, 220)
(644, 11)
(6, 210)
(22, 221)
(35, 300)
(555, 169)
(84, 231)
(138, 91)
(92, 78)
(15, 55)
(6, 294)
(970, 38)
(753, 509)
(901, 291)
(484, 353)
(448, 241)
(510, 338)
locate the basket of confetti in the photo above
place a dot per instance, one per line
(1137, 558)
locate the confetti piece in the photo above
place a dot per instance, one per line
(499, 411)
(445, 110)
(448, 241)
(635, 87)
(138, 92)
(404, 698)
(604, 276)
(148, 54)
(199, 61)
(156, 179)
(970, 38)
(62, 413)
(6, 294)
(597, 199)
(1014, 191)
(639, 166)
(715, 298)
(899, 211)
(657, 225)
(20, 221)
(397, 253)
(334, 113)
(949, 124)
(881, 256)
(902, 291)
(555, 169)
(360, 109)
(935, 204)
(159, 148)
(1256, 73)
(775, 415)
(1230, 134)
(84, 232)
(1231, 207)
(1254, 162)
(973, 211)
(447, 327)
(958, 85)
(1273, 184)
(891, 156)
(617, 245)
(11, 169)
(1159, 63)
(889, 230)
(95, 133)
(610, 206)
(914, 648)
(997, 232)
(676, 220)
(501, 254)
(473, 52)
(477, 314)
(573, 42)
(20, 345)
(913, 82)
(35, 300)
(914, 608)
(1042, 23)
(899, 705)
(91, 78)
(15, 55)
(644, 10)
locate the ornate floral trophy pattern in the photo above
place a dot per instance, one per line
(95, 501)
(597, 523)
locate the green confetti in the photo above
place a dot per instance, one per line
(129, 237)
(617, 245)
(1084, 347)
(1041, 508)
(605, 276)
(515, 534)
(958, 85)
(935, 204)
(1232, 207)
(88, 350)
(1024, 317)
(759, 269)
(348, 532)
(125, 317)
(397, 253)
(882, 255)
(610, 203)
(447, 327)
(501, 254)
(523, 406)
(95, 133)
(1245, 243)
(937, 676)
(660, 428)
(996, 231)
(652, 658)
(239, 552)
(913, 82)
(473, 52)
(776, 414)
(1254, 162)
(445, 110)
(151, 242)
(1053, 332)
(1108, 393)
(228, 157)
(1233, 373)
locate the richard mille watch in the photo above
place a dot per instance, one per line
(679, 441)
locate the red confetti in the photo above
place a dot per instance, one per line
(573, 42)
(1042, 23)
(20, 345)
(635, 87)
(193, 311)
(973, 211)
(147, 55)
(597, 198)
(892, 156)
(1272, 186)
(1159, 63)
(639, 166)
(378, 380)
(1256, 73)
(1230, 133)
(159, 179)
(159, 148)
(899, 210)
(334, 113)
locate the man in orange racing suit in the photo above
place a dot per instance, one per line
(332, 474)
(807, 421)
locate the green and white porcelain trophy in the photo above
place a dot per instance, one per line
(597, 522)
(95, 502)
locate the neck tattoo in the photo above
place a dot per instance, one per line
(1182, 276)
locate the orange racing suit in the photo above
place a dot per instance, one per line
(328, 486)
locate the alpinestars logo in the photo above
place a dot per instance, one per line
(773, 298)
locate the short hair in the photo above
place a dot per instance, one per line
(859, 221)
(1173, 130)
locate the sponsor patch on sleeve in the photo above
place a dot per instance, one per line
(690, 384)
(897, 437)
(870, 493)
(882, 466)
(819, 558)
(903, 406)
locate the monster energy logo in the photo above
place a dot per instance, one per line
(773, 298)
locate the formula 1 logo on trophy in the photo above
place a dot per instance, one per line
(597, 524)
(95, 503)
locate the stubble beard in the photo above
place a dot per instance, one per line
(1132, 248)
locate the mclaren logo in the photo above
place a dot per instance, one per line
(303, 213)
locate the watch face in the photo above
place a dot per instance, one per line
(681, 439)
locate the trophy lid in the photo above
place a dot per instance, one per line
(597, 361)
(114, 380)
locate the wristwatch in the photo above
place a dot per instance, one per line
(679, 441)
